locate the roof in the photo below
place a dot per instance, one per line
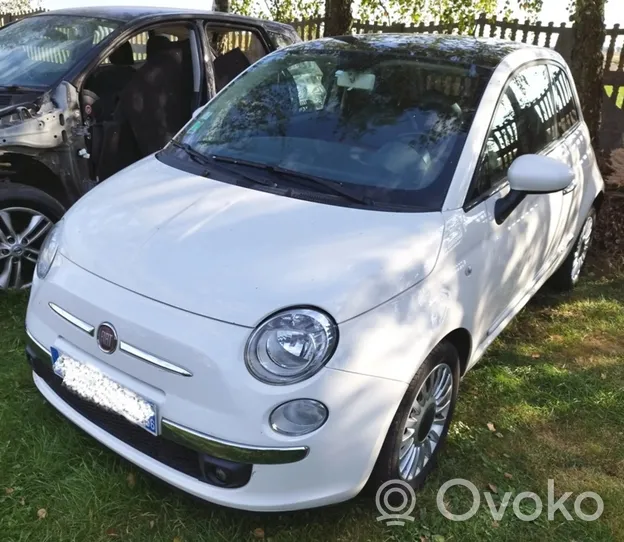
(483, 52)
(128, 14)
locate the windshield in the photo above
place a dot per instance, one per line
(37, 51)
(386, 126)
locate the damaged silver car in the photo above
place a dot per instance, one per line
(86, 92)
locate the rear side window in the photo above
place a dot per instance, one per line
(232, 51)
(523, 123)
(280, 40)
(565, 103)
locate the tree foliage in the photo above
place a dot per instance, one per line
(18, 6)
(460, 12)
(279, 10)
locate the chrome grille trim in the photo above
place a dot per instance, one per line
(75, 321)
(153, 360)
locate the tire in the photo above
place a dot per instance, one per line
(443, 358)
(26, 214)
(567, 276)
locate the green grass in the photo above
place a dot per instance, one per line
(552, 385)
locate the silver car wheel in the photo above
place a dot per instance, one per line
(425, 423)
(22, 231)
(582, 247)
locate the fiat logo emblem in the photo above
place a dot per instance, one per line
(107, 338)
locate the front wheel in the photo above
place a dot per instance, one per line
(26, 216)
(420, 426)
(566, 277)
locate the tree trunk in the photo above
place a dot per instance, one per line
(587, 60)
(222, 5)
(338, 17)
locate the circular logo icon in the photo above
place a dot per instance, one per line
(107, 338)
(399, 511)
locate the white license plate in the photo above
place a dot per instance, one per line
(94, 386)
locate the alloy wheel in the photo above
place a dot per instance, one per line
(582, 248)
(22, 232)
(425, 422)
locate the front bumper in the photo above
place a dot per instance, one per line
(220, 411)
(40, 361)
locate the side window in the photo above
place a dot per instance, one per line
(283, 40)
(139, 44)
(501, 147)
(232, 52)
(565, 104)
(523, 123)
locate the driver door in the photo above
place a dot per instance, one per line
(521, 246)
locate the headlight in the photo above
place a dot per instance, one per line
(48, 251)
(291, 346)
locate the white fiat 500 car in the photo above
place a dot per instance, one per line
(279, 306)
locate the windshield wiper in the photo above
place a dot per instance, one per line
(204, 160)
(192, 153)
(312, 180)
(20, 88)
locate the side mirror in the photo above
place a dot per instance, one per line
(532, 174)
(535, 174)
(196, 112)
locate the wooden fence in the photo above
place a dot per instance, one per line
(6, 18)
(536, 33)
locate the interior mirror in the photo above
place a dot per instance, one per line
(536, 174)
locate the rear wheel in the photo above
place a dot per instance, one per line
(26, 216)
(421, 424)
(566, 277)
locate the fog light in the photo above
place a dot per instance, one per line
(221, 475)
(298, 417)
(224, 473)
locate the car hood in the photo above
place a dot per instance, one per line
(238, 254)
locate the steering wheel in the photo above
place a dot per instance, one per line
(440, 102)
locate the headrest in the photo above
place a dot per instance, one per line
(122, 56)
(228, 66)
(157, 44)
